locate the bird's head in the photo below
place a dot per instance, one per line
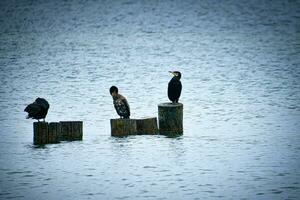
(113, 91)
(176, 74)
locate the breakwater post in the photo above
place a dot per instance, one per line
(147, 126)
(54, 132)
(71, 130)
(170, 118)
(123, 127)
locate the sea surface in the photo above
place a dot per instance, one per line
(240, 65)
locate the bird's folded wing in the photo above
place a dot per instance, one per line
(126, 106)
(33, 109)
(122, 107)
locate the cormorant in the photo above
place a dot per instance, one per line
(120, 103)
(38, 109)
(174, 87)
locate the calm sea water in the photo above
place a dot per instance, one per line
(240, 64)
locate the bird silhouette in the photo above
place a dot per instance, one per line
(120, 103)
(174, 87)
(38, 109)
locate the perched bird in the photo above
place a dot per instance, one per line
(174, 87)
(38, 109)
(120, 103)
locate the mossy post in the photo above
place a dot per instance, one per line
(40, 133)
(147, 126)
(54, 132)
(71, 130)
(170, 117)
(123, 127)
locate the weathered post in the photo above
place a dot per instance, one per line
(123, 127)
(71, 130)
(170, 117)
(40, 133)
(147, 126)
(65, 130)
(77, 130)
(54, 132)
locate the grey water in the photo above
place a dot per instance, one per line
(240, 64)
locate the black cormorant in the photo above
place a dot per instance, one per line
(38, 109)
(120, 103)
(174, 87)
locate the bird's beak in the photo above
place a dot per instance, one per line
(172, 73)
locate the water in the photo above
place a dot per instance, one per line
(241, 94)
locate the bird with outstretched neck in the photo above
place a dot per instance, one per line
(120, 103)
(38, 109)
(174, 87)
